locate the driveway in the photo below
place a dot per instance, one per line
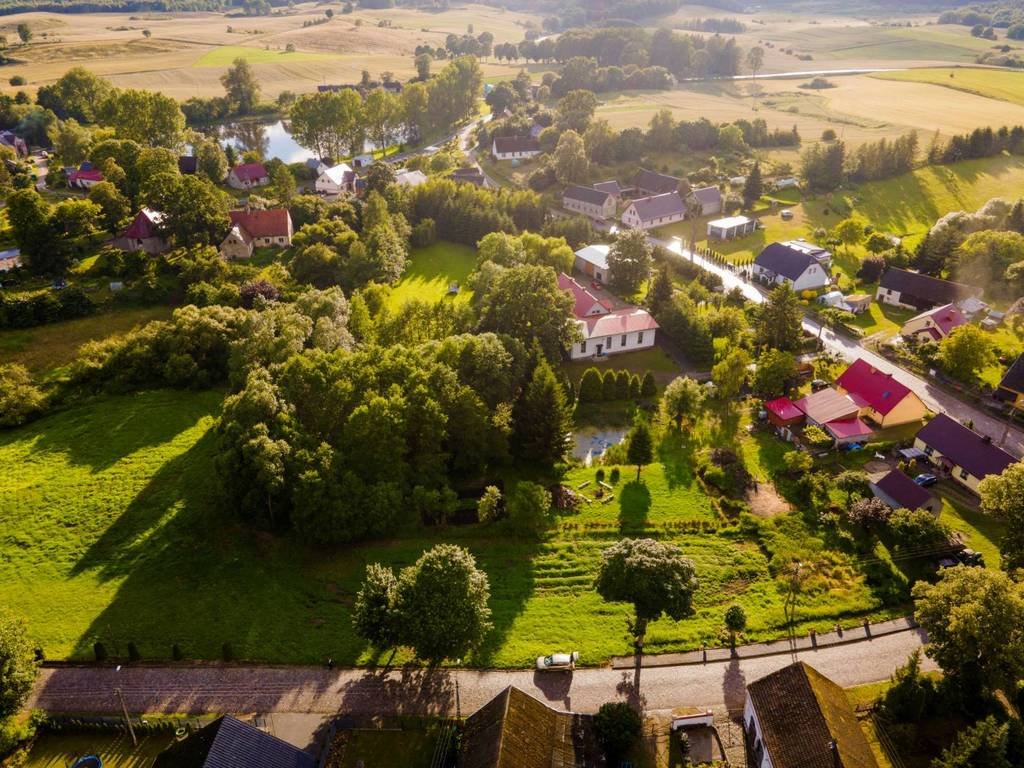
(239, 689)
(938, 400)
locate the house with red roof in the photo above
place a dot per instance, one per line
(84, 177)
(881, 398)
(784, 415)
(603, 329)
(934, 324)
(837, 414)
(143, 234)
(251, 229)
(248, 175)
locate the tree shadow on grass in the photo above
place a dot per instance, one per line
(106, 430)
(509, 566)
(675, 452)
(634, 504)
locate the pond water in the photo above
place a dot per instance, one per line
(270, 140)
(590, 443)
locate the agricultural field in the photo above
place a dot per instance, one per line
(113, 532)
(1003, 85)
(187, 52)
(431, 270)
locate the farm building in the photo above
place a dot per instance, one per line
(709, 198)
(967, 456)
(611, 187)
(592, 261)
(515, 729)
(793, 265)
(514, 148)
(652, 183)
(606, 331)
(730, 227)
(410, 178)
(798, 718)
(1011, 387)
(897, 490)
(230, 742)
(650, 212)
(835, 413)
(143, 234)
(912, 290)
(336, 180)
(881, 398)
(934, 324)
(470, 175)
(248, 175)
(251, 229)
(590, 202)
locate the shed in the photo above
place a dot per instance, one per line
(730, 227)
(897, 490)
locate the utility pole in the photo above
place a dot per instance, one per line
(127, 720)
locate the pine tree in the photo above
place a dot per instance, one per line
(542, 418)
(661, 289)
(610, 390)
(634, 387)
(591, 386)
(753, 188)
(622, 385)
(641, 446)
(648, 387)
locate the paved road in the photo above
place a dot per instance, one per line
(938, 400)
(318, 690)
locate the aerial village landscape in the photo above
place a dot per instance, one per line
(523, 384)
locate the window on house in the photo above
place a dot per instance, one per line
(928, 450)
(623, 339)
(640, 337)
(963, 474)
(583, 346)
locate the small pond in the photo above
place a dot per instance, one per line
(590, 443)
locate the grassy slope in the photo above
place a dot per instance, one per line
(225, 56)
(1004, 85)
(430, 271)
(112, 530)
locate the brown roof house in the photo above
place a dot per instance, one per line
(515, 730)
(251, 229)
(1011, 387)
(798, 718)
(143, 234)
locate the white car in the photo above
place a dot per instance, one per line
(558, 662)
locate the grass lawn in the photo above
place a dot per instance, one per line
(46, 348)
(1004, 85)
(59, 750)
(981, 532)
(386, 748)
(225, 55)
(431, 270)
(113, 531)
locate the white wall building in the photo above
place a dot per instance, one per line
(336, 180)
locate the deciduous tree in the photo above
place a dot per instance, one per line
(373, 614)
(681, 399)
(1002, 496)
(629, 261)
(18, 666)
(242, 87)
(964, 352)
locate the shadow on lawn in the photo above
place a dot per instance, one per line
(675, 452)
(104, 432)
(634, 504)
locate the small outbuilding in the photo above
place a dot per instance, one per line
(899, 491)
(730, 227)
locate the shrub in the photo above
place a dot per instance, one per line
(133, 652)
(869, 513)
(591, 387)
(828, 134)
(609, 386)
(249, 291)
(648, 387)
(99, 650)
(634, 387)
(622, 385)
(20, 399)
(617, 727)
(916, 528)
(529, 509)
(424, 233)
(817, 437)
(613, 477)
(18, 80)
(488, 508)
(176, 653)
(599, 475)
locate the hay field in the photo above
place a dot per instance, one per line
(1002, 84)
(187, 53)
(860, 108)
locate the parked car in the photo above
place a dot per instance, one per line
(558, 662)
(925, 479)
(970, 557)
(818, 384)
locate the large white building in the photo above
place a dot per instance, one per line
(336, 180)
(603, 330)
(514, 148)
(590, 202)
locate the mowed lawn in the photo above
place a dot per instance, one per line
(111, 530)
(226, 55)
(431, 270)
(1002, 84)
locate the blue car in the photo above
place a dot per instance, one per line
(925, 480)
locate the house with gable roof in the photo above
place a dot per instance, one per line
(230, 743)
(934, 324)
(514, 148)
(709, 198)
(248, 175)
(966, 455)
(143, 234)
(592, 261)
(657, 211)
(793, 263)
(85, 176)
(900, 491)
(880, 397)
(252, 229)
(337, 180)
(591, 202)
(913, 290)
(1011, 386)
(652, 183)
(798, 718)
(603, 329)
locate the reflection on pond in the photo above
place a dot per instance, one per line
(590, 443)
(269, 140)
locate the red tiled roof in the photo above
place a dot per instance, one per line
(584, 299)
(80, 175)
(869, 386)
(784, 408)
(845, 429)
(144, 225)
(628, 320)
(250, 172)
(270, 223)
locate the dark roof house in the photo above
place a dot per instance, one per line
(188, 164)
(898, 490)
(963, 447)
(786, 260)
(659, 206)
(586, 195)
(804, 720)
(923, 291)
(230, 743)
(708, 197)
(1011, 387)
(654, 183)
(611, 187)
(515, 730)
(506, 145)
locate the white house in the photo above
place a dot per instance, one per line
(590, 202)
(514, 148)
(912, 290)
(408, 178)
(710, 199)
(592, 261)
(336, 180)
(656, 211)
(793, 265)
(798, 718)
(603, 330)
(967, 456)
